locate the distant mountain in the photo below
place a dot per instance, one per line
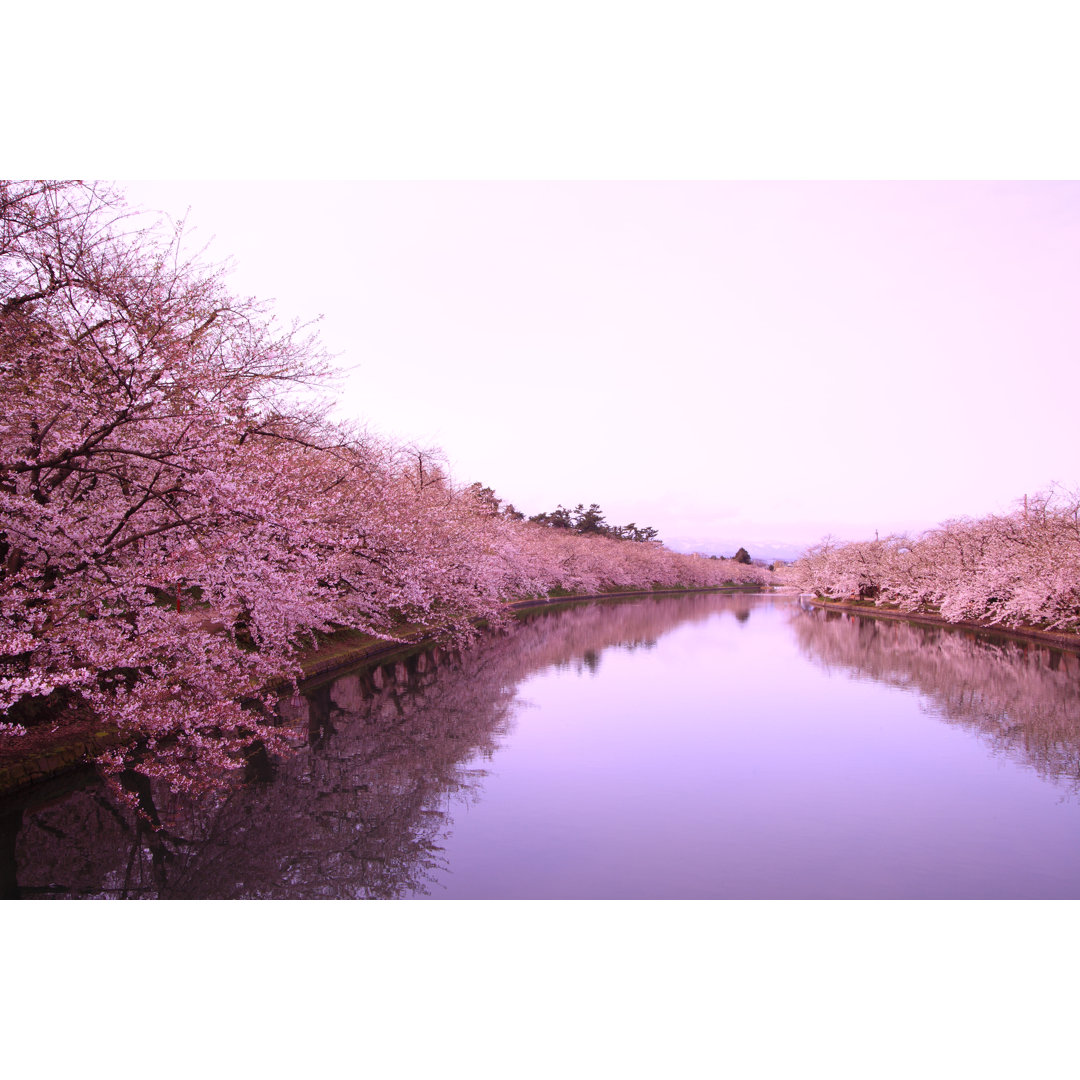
(758, 549)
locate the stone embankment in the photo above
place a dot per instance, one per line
(1058, 639)
(43, 754)
(352, 647)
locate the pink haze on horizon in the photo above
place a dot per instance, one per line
(730, 362)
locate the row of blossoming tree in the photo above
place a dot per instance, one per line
(1016, 569)
(179, 518)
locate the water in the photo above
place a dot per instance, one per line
(702, 746)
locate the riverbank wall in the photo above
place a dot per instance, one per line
(42, 757)
(350, 649)
(1055, 638)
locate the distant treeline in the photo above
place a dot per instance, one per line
(586, 521)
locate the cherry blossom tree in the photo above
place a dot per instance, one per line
(1016, 569)
(178, 517)
(175, 521)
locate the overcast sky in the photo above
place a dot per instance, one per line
(730, 362)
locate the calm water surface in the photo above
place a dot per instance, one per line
(672, 747)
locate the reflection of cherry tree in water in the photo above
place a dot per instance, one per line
(359, 812)
(361, 807)
(1022, 699)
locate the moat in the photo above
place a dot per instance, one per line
(698, 746)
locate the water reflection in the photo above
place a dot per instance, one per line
(362, 808)
(1020, 698)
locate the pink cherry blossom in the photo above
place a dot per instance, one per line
(178, 517)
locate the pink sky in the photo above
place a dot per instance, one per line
(730, 362)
